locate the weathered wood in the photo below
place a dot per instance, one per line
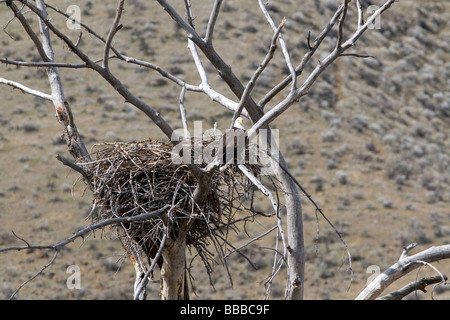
(420, 284)
(63, 112)
(402, 267)
(173, 272)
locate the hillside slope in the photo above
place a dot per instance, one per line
(370, 142)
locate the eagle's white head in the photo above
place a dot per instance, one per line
(238, 123)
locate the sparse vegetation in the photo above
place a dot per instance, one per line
(371, 142)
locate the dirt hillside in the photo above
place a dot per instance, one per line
(370, 143)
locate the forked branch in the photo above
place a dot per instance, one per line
(251, 84)
(306, 58)
(340, 48)
(403, 266)
(283, 45)
(112, 31)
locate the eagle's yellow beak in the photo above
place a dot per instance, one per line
(239, 121)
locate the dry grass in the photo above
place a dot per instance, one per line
(402, 94)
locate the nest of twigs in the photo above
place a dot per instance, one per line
(130, 179)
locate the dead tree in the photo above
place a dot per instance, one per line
(165, 223)
(403, 266)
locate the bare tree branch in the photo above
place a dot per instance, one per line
(283, 46)
(306, 58)
(198, 62)
(405, 265)
(174, 250)
(85, 231)
(40, 12)
(43, 64)
(251, 84)
(221, 99)
(22, 239)
(35, 275)
(322, 66)
(318, 209)
(11, 20)
(63, 111)
(360, 14)
(25, 89)
(29, 31)
(420, 284)
(191, 33)
(187, 134)
(251, 241)
(72, 165)
(139, 287)
(406, 250)
(261, 187)
(78, 39)
(222, 67)
(112, 32)
(341, 25)
(81, 233)
(212, 21)
(357, 55)
(277, 265)
(114, 82)
(204, 86)
(360, 31)
(293, 203)
(125, 58)
(161, 71)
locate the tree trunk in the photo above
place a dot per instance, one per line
(63, 111)
(291, 195)
(296, 252)
(173, 272)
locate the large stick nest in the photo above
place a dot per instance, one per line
(130, 179)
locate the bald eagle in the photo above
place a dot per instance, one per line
(234, 143)
(238, 124)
